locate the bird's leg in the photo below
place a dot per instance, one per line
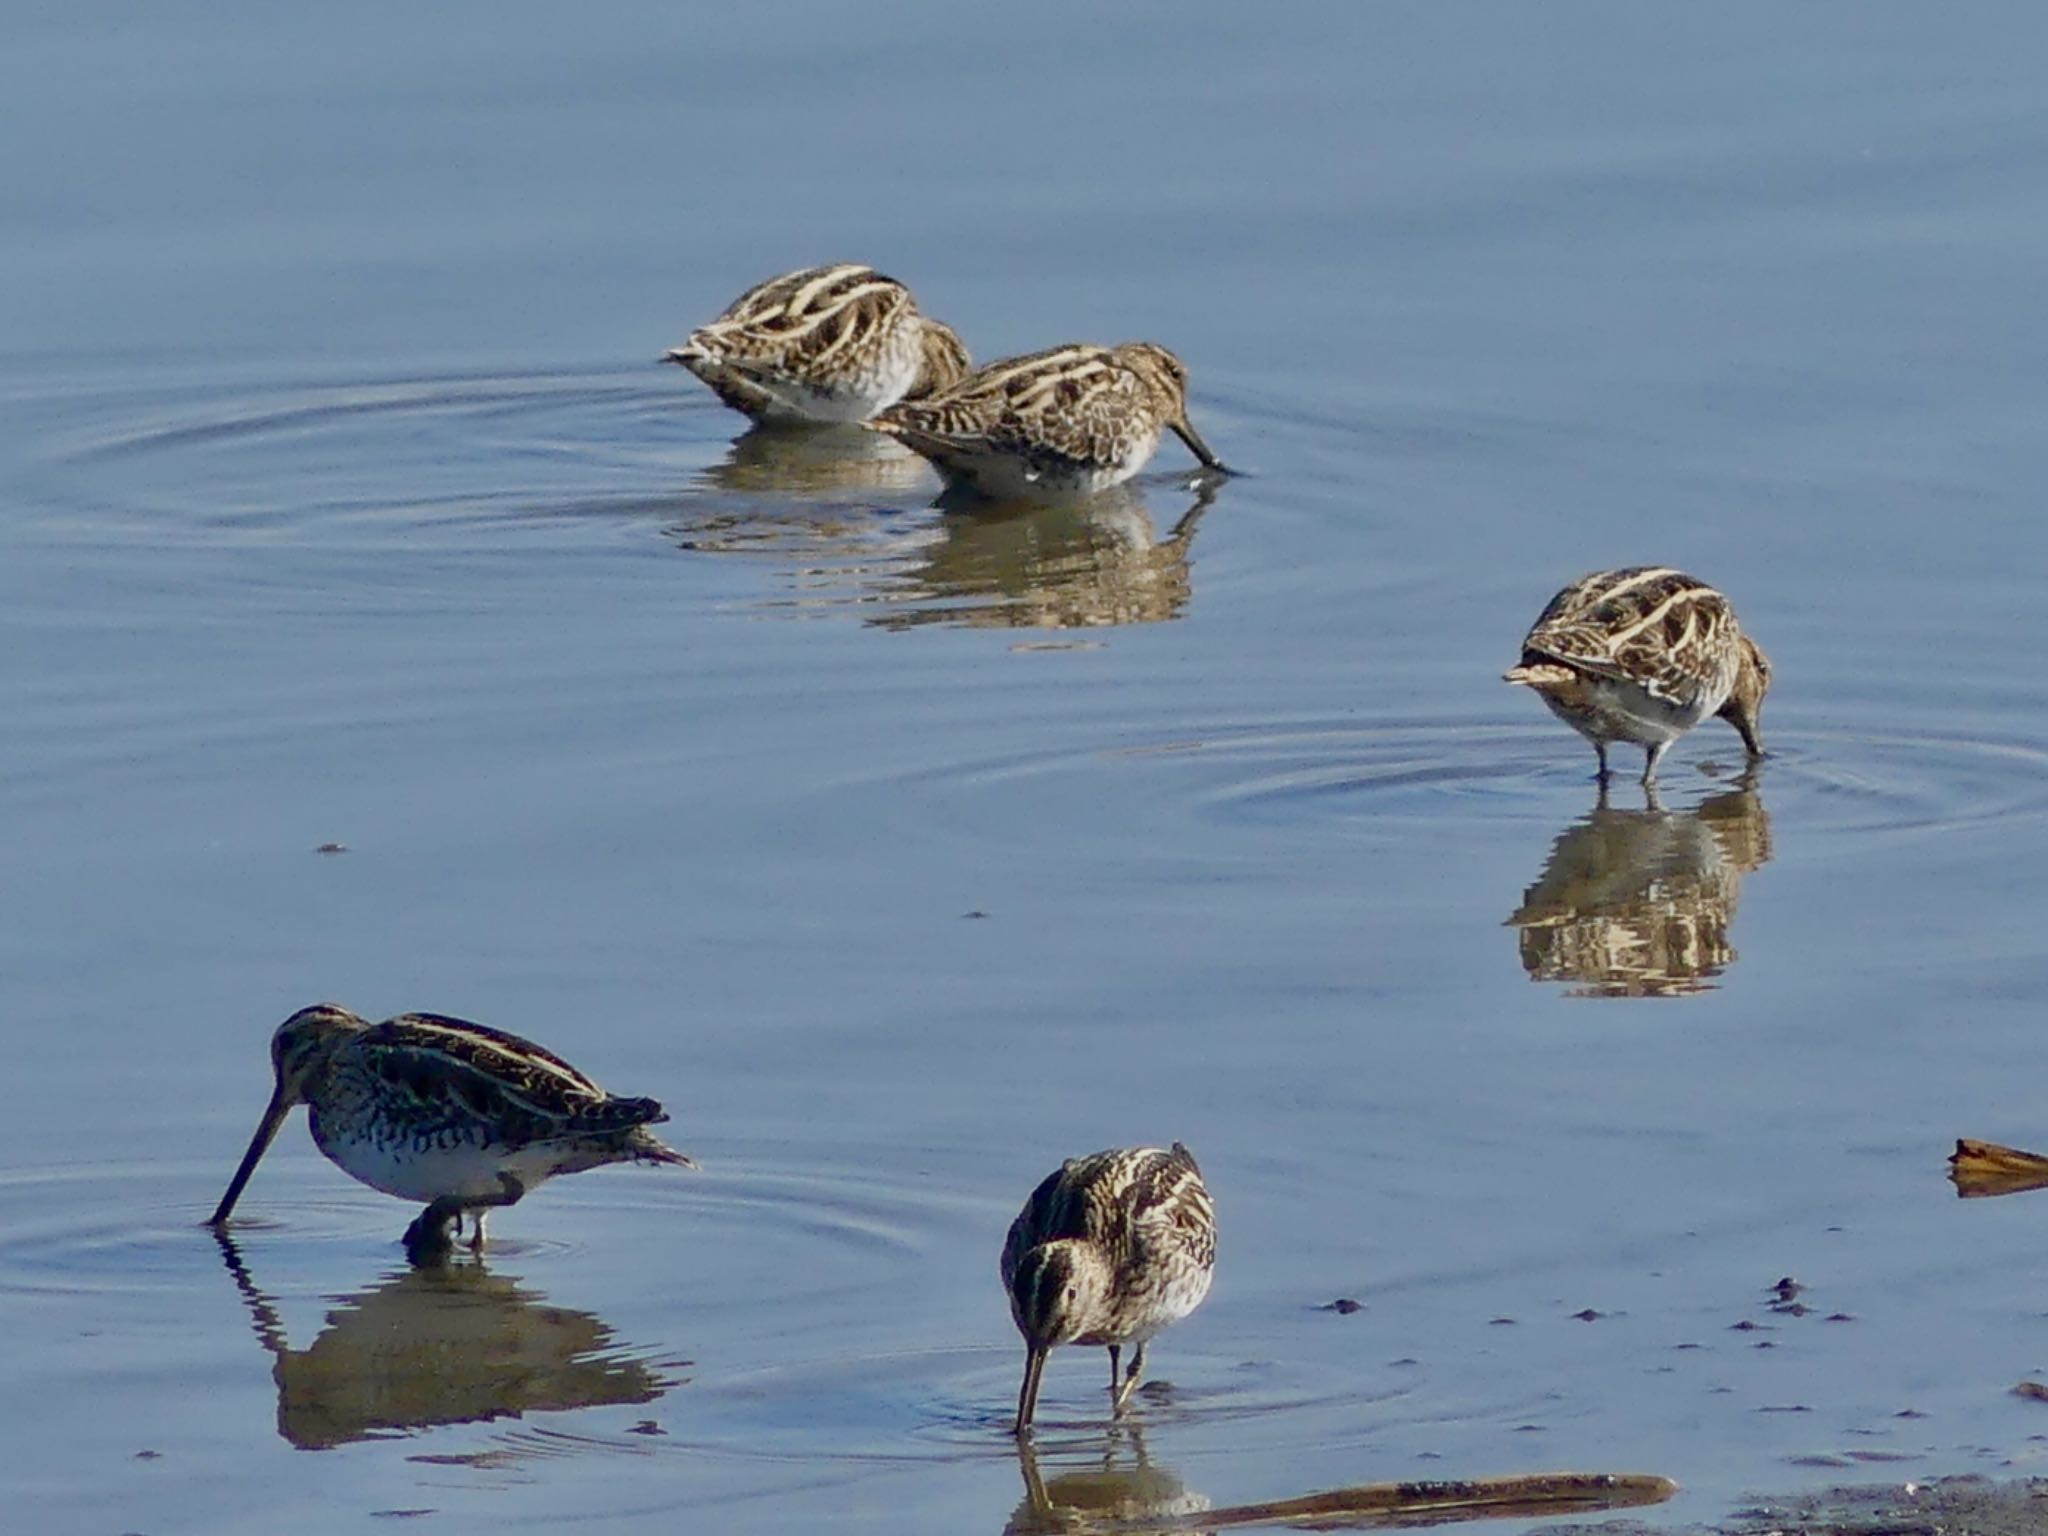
(510, 1190)
(1650, 756)
(427, 1240)
(1132, 1377)
(1602, 773)
(1116, 1401)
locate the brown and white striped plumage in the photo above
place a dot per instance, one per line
(1110, 1249)
(1644, 654)
(1064, 422)
(833, 343)
(459, 1115)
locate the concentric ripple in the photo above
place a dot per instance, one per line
(405, 457)
(843, 520)
(104, 1229)
(1424, 773)
(941, 1403)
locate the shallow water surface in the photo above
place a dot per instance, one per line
(384, 624)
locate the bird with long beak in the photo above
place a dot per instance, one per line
(1053, 425)
(1643, 654)
(461, 1116)
(1109, 1249)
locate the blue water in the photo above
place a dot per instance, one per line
(343, 502)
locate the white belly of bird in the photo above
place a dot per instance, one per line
(427, 1168)
(1620, 711)
(855, 401)
(1011, 477)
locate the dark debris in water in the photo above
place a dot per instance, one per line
(332, 848)
(1343, 1305)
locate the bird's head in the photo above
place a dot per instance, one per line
(1746, 700)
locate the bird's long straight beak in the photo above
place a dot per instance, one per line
(1027, 1398)
(1185, 430)
(266, 1132)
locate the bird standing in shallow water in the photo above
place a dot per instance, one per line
(1644, 654)
(461, 1116)
(826, 344)
(1110, 1249)
(1062, 423)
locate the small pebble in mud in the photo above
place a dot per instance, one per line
(1500, 1322)
(974, 914)
(332, 848)
(1791, 1308)
(1839, 1317)
(1746, 1326)
(1343, 1306)
(646, 1427)
(1589, 1316)
(2032, 1390)
(149, 1455)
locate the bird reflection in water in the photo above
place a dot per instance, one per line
(1123, 1494)
(447, 1344)
(1119, 1489)
(1638, 903)
(1079, 565)
(821, 501)
(829, 504)
(818, 461)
